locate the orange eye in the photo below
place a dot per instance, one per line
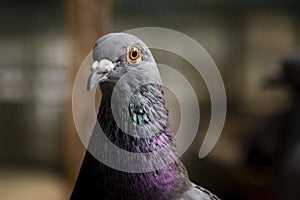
(134, 55)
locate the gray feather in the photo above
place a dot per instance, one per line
(197, 192)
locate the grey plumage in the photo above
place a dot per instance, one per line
(197, 192)
(132, 103)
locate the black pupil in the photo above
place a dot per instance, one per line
(134, 54)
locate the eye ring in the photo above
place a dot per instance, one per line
(133, 54)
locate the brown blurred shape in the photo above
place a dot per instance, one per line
(87, 20)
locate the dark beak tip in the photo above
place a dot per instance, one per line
(90, 82)
(88, 88)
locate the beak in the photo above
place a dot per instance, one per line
(99, 72)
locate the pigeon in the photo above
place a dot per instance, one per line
(133, 117)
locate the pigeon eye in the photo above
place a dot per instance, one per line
(134, 55)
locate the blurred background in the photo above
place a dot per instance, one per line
(254, 44)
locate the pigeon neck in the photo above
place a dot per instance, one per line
(139, 125)
(168, 182)
(144, 115)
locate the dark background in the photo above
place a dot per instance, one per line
(42, 44)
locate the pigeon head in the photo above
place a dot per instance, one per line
(117, 54)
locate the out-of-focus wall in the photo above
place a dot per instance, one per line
(33, 82)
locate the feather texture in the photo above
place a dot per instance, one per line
(139, 125)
